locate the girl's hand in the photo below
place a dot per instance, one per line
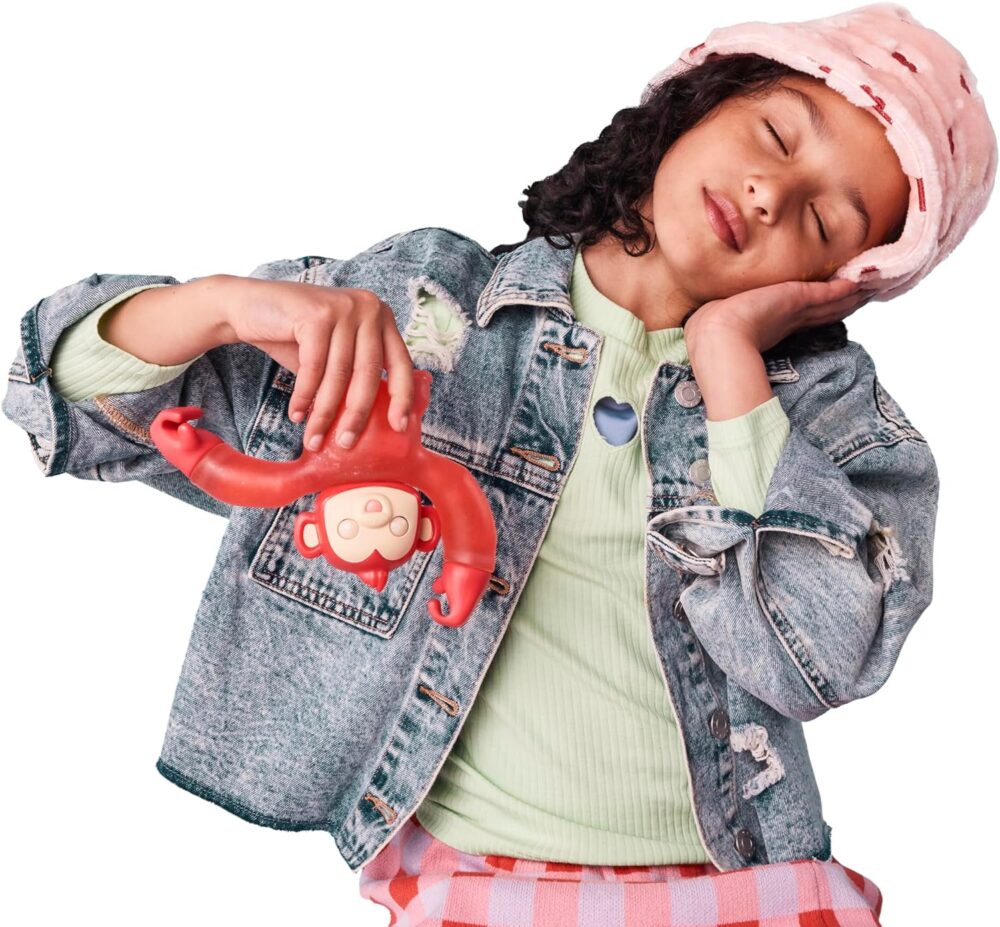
(331, 338)
(765, 315)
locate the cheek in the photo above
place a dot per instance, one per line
(794, 257)
(827, 268)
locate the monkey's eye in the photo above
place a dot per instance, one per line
(348, 528)
(399, 526)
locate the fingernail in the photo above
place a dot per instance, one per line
(297, 415)
(402, 423)
(314, 442)
(345, 438)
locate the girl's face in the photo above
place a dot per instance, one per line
(783, 190)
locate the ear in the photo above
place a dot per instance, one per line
(307, 534)
(428, 528)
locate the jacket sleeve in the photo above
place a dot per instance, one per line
(807, 606)
(106, 436)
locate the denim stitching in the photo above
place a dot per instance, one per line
(575, 355)
(385, 810)
(785, 633)
(448, 704)
(118, 418)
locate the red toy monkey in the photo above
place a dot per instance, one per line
(368, 517)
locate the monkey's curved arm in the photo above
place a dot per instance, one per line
(469, 534)
(223, 472)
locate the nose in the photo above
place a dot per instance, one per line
(761, 199)
(770, 198)
(376, 511)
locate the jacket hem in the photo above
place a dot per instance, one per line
(239, 808)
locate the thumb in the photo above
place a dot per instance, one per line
(824, 291)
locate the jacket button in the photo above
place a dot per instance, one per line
(679, 612)
(700, 471)
(746, 846)
(718, 724)
(687, 393)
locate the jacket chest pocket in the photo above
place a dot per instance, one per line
(314, 583)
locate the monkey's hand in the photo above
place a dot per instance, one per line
(178, 441)
(464, 585)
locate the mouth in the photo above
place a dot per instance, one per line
(725, 219)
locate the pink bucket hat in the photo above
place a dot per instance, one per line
(921, 89)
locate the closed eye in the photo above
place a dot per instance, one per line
(819, 221)
(770, 128)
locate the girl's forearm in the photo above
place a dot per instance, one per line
(170, 325)
(730, 373)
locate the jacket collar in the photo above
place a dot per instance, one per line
(538, 274)
(533, 274)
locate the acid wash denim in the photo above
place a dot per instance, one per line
(309, 701)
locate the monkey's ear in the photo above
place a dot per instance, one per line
(428, 528)
(307, 535)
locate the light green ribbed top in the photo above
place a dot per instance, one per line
(571, 750)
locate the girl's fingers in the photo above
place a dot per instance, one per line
(820, 295)
(363, 383)
(313, 347)
(336, 377)
(399, 365)
(829, 290)
(851, 302)
(838, 311)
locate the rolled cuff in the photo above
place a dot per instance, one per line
(85, 365)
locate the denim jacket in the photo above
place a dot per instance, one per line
(307, 700)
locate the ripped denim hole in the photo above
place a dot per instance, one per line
(437, 327)
(753, 737)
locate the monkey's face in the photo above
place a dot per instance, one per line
(371, 518)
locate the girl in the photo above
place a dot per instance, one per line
(681, 289)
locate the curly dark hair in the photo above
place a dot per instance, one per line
(597, 192)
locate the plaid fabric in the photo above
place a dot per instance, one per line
(426, 883)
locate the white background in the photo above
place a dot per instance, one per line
(193, 138)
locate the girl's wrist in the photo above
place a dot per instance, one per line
(730, 373)
(213, 300)
(169, 325)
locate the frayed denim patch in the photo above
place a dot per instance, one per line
(437, 325)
